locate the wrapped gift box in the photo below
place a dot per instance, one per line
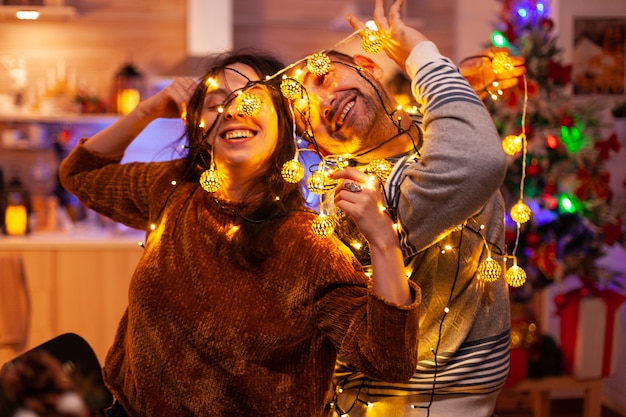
(518, 370)
(590, 330)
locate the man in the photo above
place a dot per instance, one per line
(448, 166)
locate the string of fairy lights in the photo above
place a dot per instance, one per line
(320, 183)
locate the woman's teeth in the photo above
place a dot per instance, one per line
(238, 134)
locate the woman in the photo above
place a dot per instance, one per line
(236, 307)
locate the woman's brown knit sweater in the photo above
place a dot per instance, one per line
(202, 337)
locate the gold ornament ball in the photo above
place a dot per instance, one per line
(292, 171)
(489, 270)
(291, 89)
(512, 144)
(323, 225)
(515, 276)
(372, 42)
(318, 63)
(317, 182)
(381, 168)
(248, 104)
(520, 212)
(211, 180)
(502, 63)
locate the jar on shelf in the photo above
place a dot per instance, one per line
(128, 89)
(16, 209)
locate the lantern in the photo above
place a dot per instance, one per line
(16, 210)
(128, 88)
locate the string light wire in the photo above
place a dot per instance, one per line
(524, 155)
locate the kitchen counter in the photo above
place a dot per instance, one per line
(85, 239)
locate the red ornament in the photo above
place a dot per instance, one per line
(510, 33)
(532, 240)
(560, 74)
(612, 232)
(549, 188)
(552, 141)
(544, 257)
(533, 169)
(64, 136)
(592, 185)
(605, 146)
(546, 24)
(567, 121)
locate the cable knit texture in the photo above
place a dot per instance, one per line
(204, 337)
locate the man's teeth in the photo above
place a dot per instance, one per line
(345, 112)
(238, 134)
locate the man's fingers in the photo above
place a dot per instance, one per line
(379, 15)
(355, 22)
(394, 11)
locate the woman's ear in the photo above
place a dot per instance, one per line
(369, 65)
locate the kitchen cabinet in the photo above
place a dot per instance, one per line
(76, 283)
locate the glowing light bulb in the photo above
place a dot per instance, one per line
(292, 171)
(520, 212)
(323, 225)
(498, 39)
(211, 83)
(380, 168)
(248, 104)
(318, 63)
(515, 276)
(317, 182)
(502, 63)
(512, 144)
(232, 230)
(356, 245)
(372, 41)
(211, 180)
(489, 270)
(290, 88)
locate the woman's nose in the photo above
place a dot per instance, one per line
(231, 112)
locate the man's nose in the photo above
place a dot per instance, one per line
(326, 106)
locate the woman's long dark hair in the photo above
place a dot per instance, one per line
(252, 244)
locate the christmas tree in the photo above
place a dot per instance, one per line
(557, 153)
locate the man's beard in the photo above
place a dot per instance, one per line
(366, 131)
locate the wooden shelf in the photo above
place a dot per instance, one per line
(45, 12)
(74, 118)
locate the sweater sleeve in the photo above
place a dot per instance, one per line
(462, 163)
(378, 337)
(117, 191)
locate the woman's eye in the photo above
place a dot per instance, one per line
(214, 107)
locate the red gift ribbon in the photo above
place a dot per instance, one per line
(569, 320)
